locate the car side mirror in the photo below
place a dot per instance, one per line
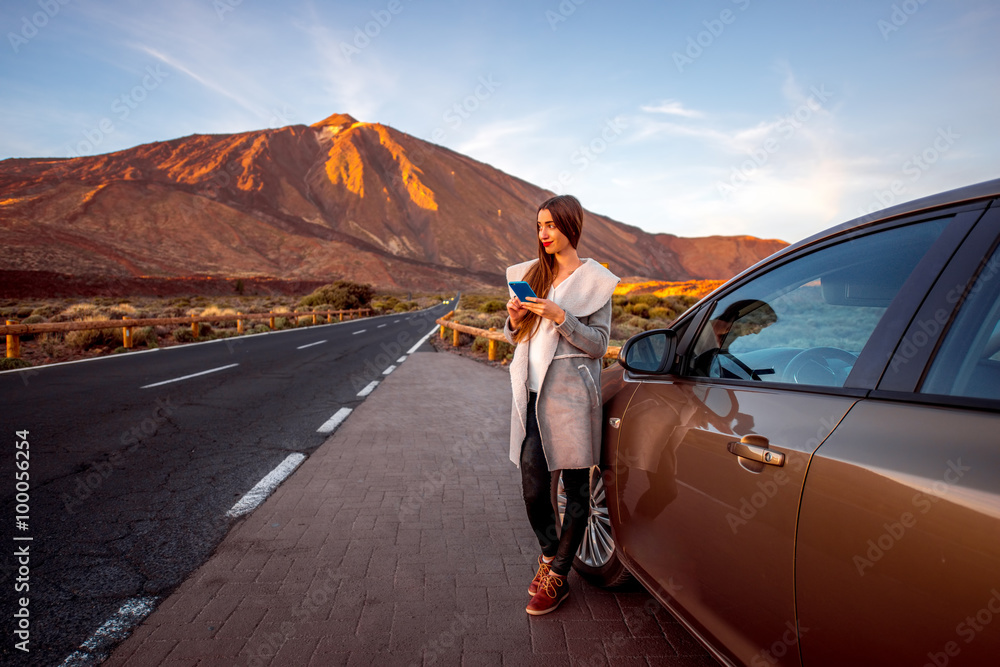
(649, 352)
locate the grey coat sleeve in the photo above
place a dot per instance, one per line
(507, 332)
(591, 338)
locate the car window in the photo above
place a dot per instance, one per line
(806, 321)
(968, 362)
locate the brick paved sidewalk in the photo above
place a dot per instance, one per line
(401, 541)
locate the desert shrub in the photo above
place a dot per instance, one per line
(619, 300)
(183, 335)
(87, 339)
(259, 328)
(10, 364)
(386, 304)
(648, 299)
(660, 313)
(617, 312)
(401, 308)
(639, 309)
(49, 343)
(340, 295)
(622, 331)
(304, 321)
(145, 336)
(48, 310)
(123, 310)
(182, 302)
(492, 306)
(282, 323)
(78, 311)
(495, 321)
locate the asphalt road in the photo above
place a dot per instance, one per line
(130, 484)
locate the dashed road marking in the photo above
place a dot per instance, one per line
(334, 421)
(193, 375)
(380, 326)
(266, 486)
(302, 347)
(369, 389)
(359, 331)
(388, 370)
(422, 340)
(96, 649)
(401, 359)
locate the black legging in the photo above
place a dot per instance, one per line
(536, 484)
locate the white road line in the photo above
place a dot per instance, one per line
(96, 649)
(359, 331)
(193, 375)
(422, 340)
(266, 486)
(401, 359)
(334, 421)
(395, 321)
(380, 326)
(369, 389)
(388, 370)
(302, 347)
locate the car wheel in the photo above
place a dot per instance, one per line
(597, 558)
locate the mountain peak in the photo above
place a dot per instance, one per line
(337, 121)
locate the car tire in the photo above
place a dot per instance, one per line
(597, 559)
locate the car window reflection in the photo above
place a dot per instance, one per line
(806, 321)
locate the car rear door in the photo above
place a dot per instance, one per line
(898, 548)
(710, 463)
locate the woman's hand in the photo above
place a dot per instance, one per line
(550, 310)
(516, 311)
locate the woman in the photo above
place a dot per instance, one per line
(555, 376)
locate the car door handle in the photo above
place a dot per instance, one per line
(754, 447)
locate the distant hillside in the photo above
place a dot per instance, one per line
(338, 199)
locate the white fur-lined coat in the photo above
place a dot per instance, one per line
(568, 406)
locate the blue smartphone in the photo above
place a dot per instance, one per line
(522, 289)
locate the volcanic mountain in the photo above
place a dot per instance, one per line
(339, 199)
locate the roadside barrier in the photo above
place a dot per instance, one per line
(14, 331)
(491, 334)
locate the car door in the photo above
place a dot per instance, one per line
(711, 459)
(898, 554)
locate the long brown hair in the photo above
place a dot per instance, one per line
(567, 214)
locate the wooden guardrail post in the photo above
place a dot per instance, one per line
(492, 347)
(454, 337)
(272, 321)
(239, 323)
(329, 317)
(341, 314)
(195, 328)
(126, 335)
(13, 343)
(314, 317)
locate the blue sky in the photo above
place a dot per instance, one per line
(774, 119)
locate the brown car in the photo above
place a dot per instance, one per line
(805, 468)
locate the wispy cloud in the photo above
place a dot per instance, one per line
(672, 108)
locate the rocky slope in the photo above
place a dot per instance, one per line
(338, 199)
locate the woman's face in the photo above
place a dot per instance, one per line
(552, 239)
